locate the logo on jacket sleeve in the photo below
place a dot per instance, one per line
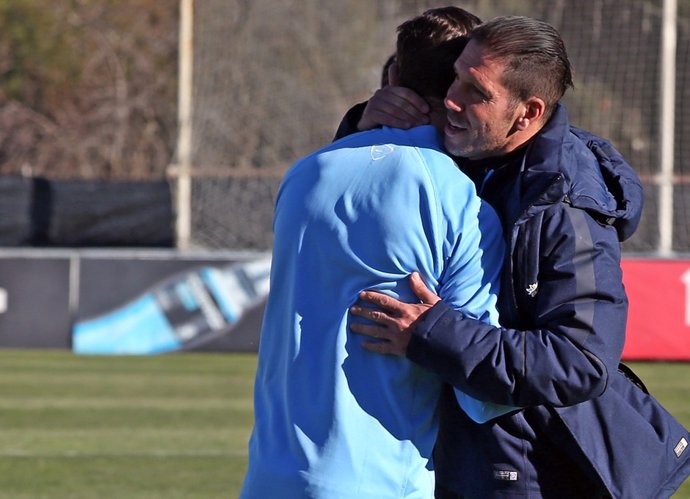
(532, 289)
(506, 475)
(680, 447)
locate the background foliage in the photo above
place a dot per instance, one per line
(88, 87)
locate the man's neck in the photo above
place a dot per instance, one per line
(493, 162)
(476, 169)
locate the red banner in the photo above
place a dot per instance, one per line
(659, 315)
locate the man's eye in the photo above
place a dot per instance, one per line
(479, 93)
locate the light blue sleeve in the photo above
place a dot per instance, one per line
(470, 281)
(481, 412)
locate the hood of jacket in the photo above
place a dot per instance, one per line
(568, 164)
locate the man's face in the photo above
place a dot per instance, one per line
(481, 114)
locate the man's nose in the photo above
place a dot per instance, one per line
(451, 104)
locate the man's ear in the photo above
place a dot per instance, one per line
(532, 111)
(393, 74)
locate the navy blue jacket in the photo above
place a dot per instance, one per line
(589, 428)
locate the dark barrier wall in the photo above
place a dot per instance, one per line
(42, 212)
(179, 301)
(35, 300)
(17, 224)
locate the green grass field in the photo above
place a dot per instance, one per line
(168, 427)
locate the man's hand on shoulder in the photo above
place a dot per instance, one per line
(393, 106)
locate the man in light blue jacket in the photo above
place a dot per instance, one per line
(334, 421)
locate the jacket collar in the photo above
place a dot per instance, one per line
(567, 164)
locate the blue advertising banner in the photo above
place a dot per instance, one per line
(185, 311)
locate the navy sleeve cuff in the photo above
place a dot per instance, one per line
(422, 348)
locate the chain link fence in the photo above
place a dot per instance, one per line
(265, 92)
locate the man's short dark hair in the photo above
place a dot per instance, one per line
(428, 46)
(536, 60)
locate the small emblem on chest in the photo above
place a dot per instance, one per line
(532, 289)
(380, 151)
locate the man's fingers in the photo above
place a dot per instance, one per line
(393, 331)
(378, 316)
(385, 347)
(395, 106)
(387, 305)
(376, 347)
(393, 115)
(397, 120)
(409, 99)
(421, 291)
(369, 330)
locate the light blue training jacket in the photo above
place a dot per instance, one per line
(334, 421)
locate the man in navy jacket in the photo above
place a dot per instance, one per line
(566, 199)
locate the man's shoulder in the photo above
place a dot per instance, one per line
(415, 147)
(387, 155)
(422, 136)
